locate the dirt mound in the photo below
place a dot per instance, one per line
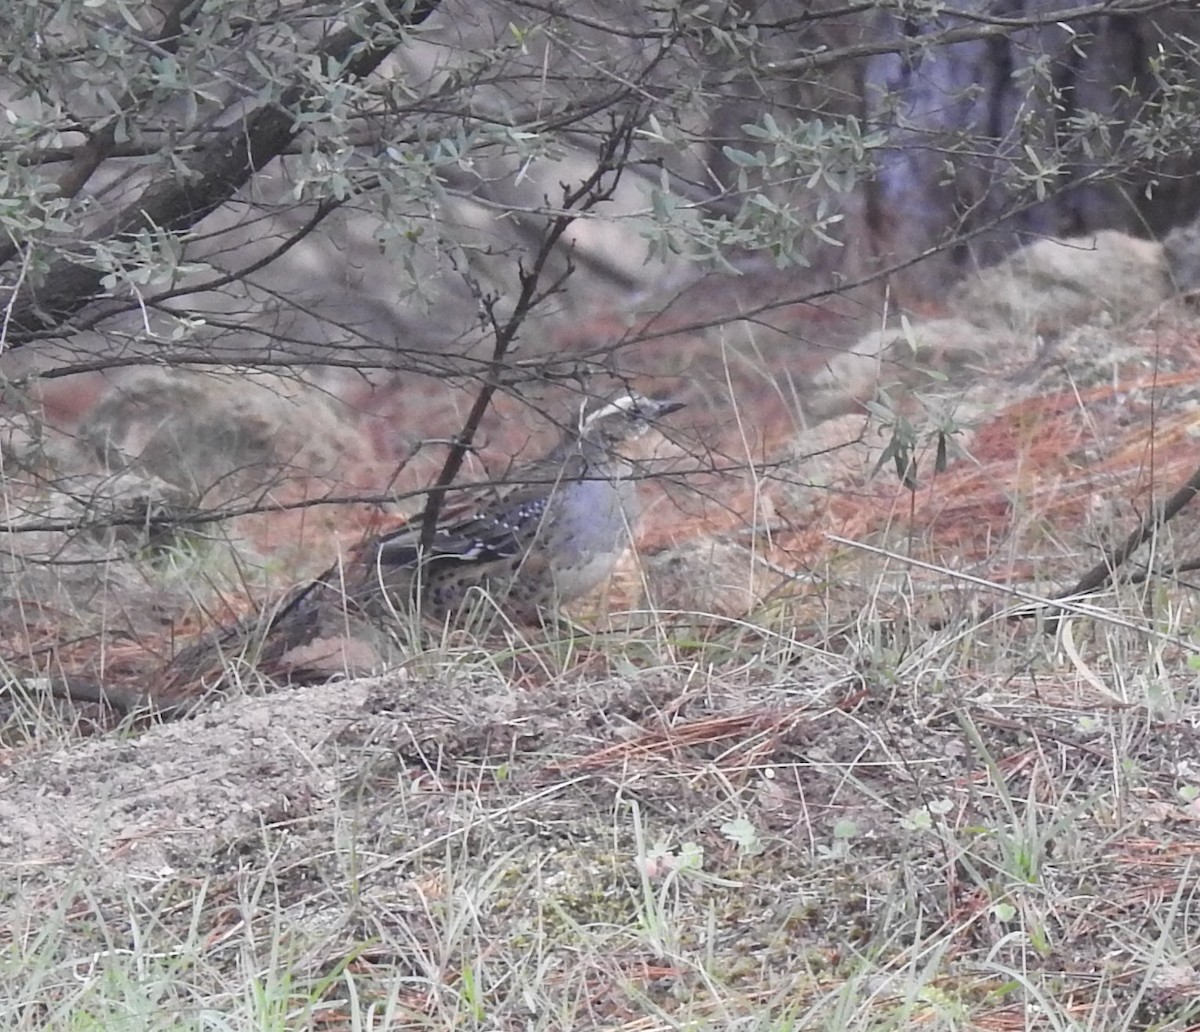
(219, 434)
(1054, 284)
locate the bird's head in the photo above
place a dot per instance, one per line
(623, 417)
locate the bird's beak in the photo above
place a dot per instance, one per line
(665, 406)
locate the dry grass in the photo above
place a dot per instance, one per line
(858, 806)
(742, 832)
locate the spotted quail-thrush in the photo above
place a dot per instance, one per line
(550, 533)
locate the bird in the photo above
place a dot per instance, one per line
(550, 533)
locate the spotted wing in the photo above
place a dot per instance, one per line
(500, 531)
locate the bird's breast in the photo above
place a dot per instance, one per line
(595, 517)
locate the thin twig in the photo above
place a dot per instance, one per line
(1039, 603)
(590, 193)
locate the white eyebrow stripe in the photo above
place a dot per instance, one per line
(621, 404)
